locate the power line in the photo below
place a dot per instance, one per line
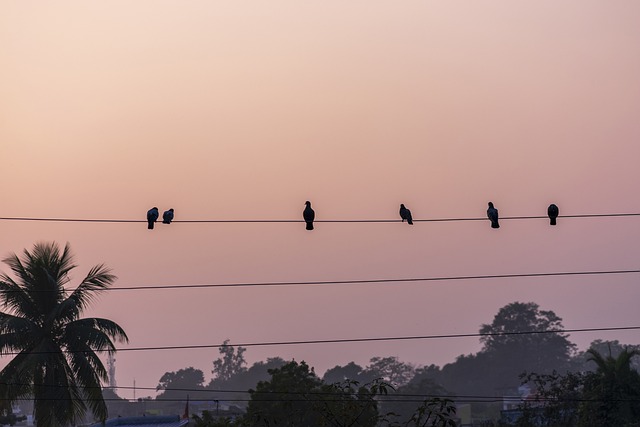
(378, 398)
(378, 339)
(354, 281)
(202, 221)
(352, 340)
(314, 395)
(273, 392)
(364, 281)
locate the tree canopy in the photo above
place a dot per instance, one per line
(57, 359)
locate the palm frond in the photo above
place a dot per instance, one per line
(58, 362)
(89, 373)
(98, 279)
(15, 297)
(97, 333)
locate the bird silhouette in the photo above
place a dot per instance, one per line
(492, 214)
(309, 215)
(152, 217)
(405, 214)
(167, 216)
(553, 212)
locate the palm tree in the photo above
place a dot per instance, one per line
(614, 390)
(55, 350)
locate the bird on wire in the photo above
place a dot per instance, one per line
(553, 212)
(309, 215)
(492, 214)
(167, 216)
(152, 217)
(405, 214)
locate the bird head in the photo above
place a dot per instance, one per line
(491, 205)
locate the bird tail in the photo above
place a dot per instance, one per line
(309, 225)
(495, 224)
(553, 221)
(410, 221)
(150, 226)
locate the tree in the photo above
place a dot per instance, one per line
(612, 396)
(56, 360)
(390, 369)
(282, 400)
(295, 396)
(554, 401)
(514, 319)
(613, 348)
(232, 363)
(405, 405)
(339, 373)
(349, 404)
(434, 412)
(521, 338)
(176, 385)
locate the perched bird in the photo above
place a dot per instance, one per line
(405, 214)
(152, 217)
(553, 212)
(309, 215)
(492, 214)
(167, 216)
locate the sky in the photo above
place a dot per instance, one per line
(245, 110)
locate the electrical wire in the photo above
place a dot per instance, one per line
(377, 339)
(364, 281)
(314, 396)
(353, 282)
(351, 340)
(202, 221)
(377, 399)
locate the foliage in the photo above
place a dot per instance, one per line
(613, 392)
(538, 349)
(405, 408)
(391, 370)
(555, 399)
(57, 359)
(245, 379)
(581, 361)
(295, 396)
(208, 420)
(507, 352)
(176, 385)
(283, 400)
(609, 396)
(339, 373)
(434, 412)
(232, 363)
(347, 403)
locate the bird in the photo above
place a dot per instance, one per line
(152, 217)
(309, 215)
(167, 216)
(405, 214)
(553, 212)
(492, 214)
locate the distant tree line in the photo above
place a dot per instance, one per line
(286, 393)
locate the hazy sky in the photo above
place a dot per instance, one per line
(244, 110)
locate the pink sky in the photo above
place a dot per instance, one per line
(236, 110)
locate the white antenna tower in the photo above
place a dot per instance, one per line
(111, 370)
